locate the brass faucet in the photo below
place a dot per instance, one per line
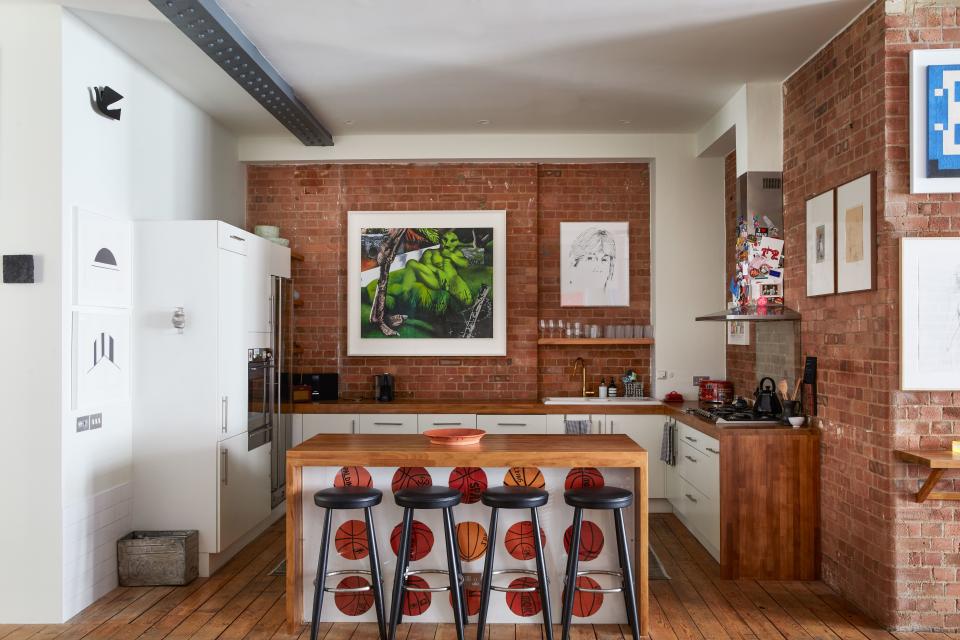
(583, 378)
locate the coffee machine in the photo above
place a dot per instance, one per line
(384, 388)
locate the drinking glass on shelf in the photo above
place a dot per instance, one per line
(608, 331)
(560, 329)
(638, 331)
(577, 330)
(628, 331)
(543, 328)
(648, 331)
(594, 331)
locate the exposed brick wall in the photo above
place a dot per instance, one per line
(310, 203)
(927, 536)
(833, 126)
(741, 359)
(600, 192)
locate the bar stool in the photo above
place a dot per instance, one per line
(411, 499)
(607, 498)
(348, 498)
(514, 498)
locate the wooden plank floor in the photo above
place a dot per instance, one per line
(242, 601)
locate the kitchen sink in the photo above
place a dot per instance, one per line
(602, 401)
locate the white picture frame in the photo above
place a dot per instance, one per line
(364, 340)
(943, 175)
(102, 255)
(738, 333)
(821, 271)
(855, 235)
(930, 314)
(100, 359)
(594, 264)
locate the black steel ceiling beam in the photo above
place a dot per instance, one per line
(206, 24)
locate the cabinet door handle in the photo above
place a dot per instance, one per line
(224, 477)
(716, 451)
(237, 238)
(511, 424)
(353, 426)
(690, 459)
(690, 497)
(447, 424)
(690, 439)
(225, 405)
(388, 424)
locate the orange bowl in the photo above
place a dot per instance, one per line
(455, 437)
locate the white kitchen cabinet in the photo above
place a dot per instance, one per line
(258, 313)
(189, 399)
(517, 424)
(243, 489)
(387, 423)
(428, 421)
(232, 344)
(316, 423)
(646, 431)
(693, 486)
(556, 423)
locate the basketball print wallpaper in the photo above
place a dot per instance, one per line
(513, 542)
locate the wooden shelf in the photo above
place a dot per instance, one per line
(596, 341)
(299, 257)
(938, 461)
(297, 304)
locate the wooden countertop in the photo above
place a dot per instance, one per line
(527, 407)
(495, 450)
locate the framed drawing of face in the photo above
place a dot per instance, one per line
(594, 264)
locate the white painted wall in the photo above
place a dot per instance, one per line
(30, 558)
(165, 159)
(687, 218)
(755, 116)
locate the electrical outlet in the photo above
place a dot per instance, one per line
(661, 374)
(83, 423)
(96, 421)
(697, 379)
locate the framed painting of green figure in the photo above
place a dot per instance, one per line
(426, 283)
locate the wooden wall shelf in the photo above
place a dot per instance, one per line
(584, 342)
(938, 461)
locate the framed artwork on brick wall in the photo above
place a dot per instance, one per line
(934, 121)
(821, 271)
(856, 236)
(930, 313)
(426, 283)
(594, 264)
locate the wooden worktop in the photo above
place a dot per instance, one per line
(527, 407)
(494, 450)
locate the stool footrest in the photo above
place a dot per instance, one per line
(601, 572)
(356, 572)
(528, 572)
(427, 589)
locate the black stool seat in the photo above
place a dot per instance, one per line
(427, 497)
(514, 497)
(599, 498)
(348, 497)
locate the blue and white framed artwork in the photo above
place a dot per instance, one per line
(935, 121)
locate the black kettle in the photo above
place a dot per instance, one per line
(766, 400)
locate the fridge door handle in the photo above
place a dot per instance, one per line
(224, 408)
(224, 462)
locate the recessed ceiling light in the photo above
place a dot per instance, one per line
(348, 123)
(625, 121)
(483, 123)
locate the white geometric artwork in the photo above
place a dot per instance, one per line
(101, 359)
(930, 313)
(594, 264)
(101, 260)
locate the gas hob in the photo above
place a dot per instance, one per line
(728, 415)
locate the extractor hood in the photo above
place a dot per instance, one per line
(752, 313)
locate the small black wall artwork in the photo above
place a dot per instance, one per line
(18, 269)
(102, 250)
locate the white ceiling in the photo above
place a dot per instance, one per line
(438, 66)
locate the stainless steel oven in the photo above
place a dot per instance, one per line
(260, 397)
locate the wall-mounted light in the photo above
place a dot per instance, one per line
(179, 319)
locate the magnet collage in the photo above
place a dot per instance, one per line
(759, 276)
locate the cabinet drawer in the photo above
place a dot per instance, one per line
(387, 423)
(315, 423)
(697, 440)
(699, 469)
(427, 421)
(231, 238)
(512, 424)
